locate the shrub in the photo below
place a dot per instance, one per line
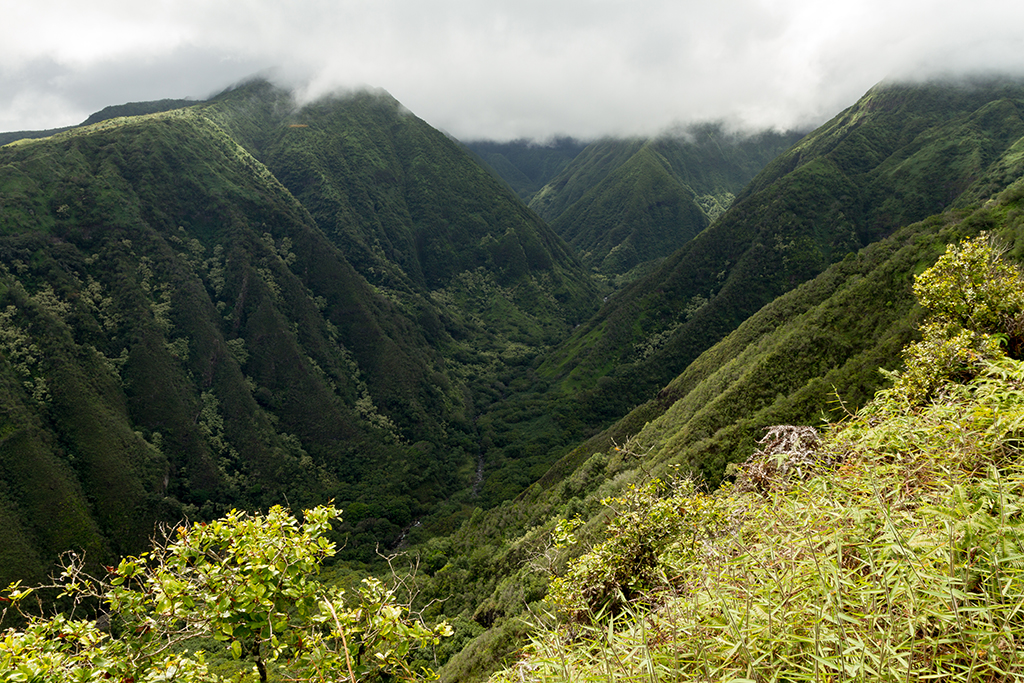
(650, 524)
(246, 581)
(975, 305)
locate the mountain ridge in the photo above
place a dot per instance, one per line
(624, 204)
(197, 307)
(182, 329)
(772, 238)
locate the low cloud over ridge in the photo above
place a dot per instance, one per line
(504, 69)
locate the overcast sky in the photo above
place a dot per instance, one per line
(501, 68)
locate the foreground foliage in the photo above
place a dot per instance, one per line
(246, 582)
(890, 549)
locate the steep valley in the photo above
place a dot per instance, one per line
(245, 302)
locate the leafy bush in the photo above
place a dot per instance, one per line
(649, 524)
(975, 303)
(245, 581)
(905, 563)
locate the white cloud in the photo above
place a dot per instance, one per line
(503, 68)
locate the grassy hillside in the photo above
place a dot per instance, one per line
(811, 353)
(886, 549)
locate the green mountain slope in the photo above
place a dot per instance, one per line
(648, 334)
(129, 109)
(250, 301)
(168, 326)
(639, 214)
(810, 355)
(900, 154)
(413, 212)
(828, 551)
(626, 203)
(787, 363)
(182, 333)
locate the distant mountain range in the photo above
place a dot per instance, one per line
(626, 204)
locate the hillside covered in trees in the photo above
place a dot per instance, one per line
(624, 205)
(244, 303)
(183, 335)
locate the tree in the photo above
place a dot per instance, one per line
(247, 581)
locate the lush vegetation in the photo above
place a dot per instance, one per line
(115, 111)
(810, 357)
(242, 584)
(887, 549)
(245, 303)
(626, 204)
(527, 165)
(901, 154)
(643, 351)
(181, 335)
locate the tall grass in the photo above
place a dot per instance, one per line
(901, 560)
